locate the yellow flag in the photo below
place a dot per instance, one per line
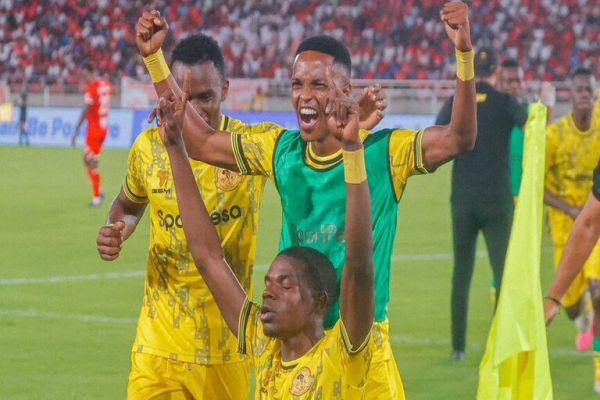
(515, 364)
(6, 112)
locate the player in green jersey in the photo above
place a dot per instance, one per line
(317, 219)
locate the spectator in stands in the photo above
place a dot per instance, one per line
(50, 42)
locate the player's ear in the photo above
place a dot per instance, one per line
(224, 90)
(322, 299)
(347, 88)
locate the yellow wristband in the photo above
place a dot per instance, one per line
(465, 65)
(157, 66)
(354, 166)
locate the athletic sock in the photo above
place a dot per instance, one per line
(95, 179)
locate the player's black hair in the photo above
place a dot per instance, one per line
(582, 71)
(89, 67)
(318, 271)
(328, 45)
(197, 49)
(510, 63)
(486, 62)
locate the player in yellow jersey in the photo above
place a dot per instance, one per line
(183, 347)
(285, 338)
(582, 241)
(572, 152)
(398, 153)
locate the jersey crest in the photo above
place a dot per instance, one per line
(227, 180)
(303, 382)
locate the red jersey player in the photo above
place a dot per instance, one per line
(97, 104)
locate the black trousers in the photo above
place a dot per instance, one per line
(468, 218)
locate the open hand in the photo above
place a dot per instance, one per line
(372, 105)
(342, 114)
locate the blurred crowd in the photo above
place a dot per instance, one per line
(50, 40)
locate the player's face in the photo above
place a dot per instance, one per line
(87, 76)
(510, 81)
(583, 93)
(310, 91)
(289, 305)
(207, 89)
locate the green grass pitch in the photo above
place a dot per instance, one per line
(67, 319)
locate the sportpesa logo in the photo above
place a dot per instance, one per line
(168, 221)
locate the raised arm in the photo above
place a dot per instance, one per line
(356, 303)
(202, 141)
(442, 143)
(200, 233)
(583, 238)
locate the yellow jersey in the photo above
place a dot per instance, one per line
(571, 156)
(331, 369)
(179, 319)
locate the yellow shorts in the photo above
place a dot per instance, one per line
(591, 270)
(384, 380)
(158, 378)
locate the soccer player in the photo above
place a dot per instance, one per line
(510, 80)
(23, 135)
(572, 150)
(285, 338)
(481, 199)
(183, 346)
(583, 239)
(306, 165)
(97, 105)
(180, 326)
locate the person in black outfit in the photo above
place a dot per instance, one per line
(23, 135)
(481, 197)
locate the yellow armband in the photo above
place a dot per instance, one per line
(465, 65)
(157, 66)
(354, 166)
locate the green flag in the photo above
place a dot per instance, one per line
(515, 364)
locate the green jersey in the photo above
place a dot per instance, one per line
(313, 194)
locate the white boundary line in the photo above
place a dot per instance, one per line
(62, 317)
(55, 280)
(400, 339)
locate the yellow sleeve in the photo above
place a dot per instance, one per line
(251, 338)
(134, 185)
(254, 146)
(406, 157)
(355, 361)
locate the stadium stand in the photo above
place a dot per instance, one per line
(48, 41)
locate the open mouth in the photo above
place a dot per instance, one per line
(308, 116)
